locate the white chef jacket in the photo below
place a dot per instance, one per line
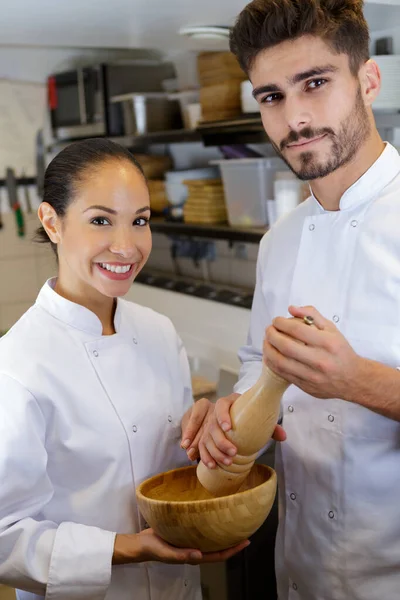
(339, 470)
(84, 418)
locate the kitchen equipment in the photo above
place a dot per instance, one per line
(213, 509)
(11, 184)
(184, 514)
(254, 416)
(158, 197)
(40, 158)
(1, 199)
(205, 202)
(220, 77)
(287, 192)
(193, 115)
(239, 151)
(79, 100)
(248, 183)
(27, 197)
(221, 101)
(186, 99)
(149, 112)
(389, 95)
(214, 67)
(248, 102)
(177, 191)
(154, 166)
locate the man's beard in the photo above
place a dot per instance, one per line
(352, 133)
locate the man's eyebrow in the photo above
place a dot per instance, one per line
(312, 73)
(297, 78)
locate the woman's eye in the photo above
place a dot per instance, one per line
(100, 221)
(141, 221)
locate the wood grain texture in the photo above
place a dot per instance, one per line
(254, 416)
(184, 514)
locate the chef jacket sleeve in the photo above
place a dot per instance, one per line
(250, 355)
(186, 376)
(59, 560)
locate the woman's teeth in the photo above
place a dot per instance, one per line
(115, 268)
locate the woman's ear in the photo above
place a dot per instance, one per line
(370, 80)
(50, 221)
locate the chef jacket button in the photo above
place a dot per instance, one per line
(290, 408)
(335, 319)
(95, 353)
(331, 418)
(169, 419)
(134, 340)
(354, 223)
(134, 429)
(294, 586)
(331, 514)
(311, 227)
(293, 496)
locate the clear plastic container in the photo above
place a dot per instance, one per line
(287, 192)
(248, 184)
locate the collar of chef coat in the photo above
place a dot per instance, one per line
(71, 313)
(378, 176)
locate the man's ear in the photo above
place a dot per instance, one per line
(370, 81)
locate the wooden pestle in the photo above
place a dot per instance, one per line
(254, 416)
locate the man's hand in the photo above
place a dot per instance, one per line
(323, 364)
(214, 446)
(193, 423)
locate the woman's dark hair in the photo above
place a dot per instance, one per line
(69, 167)
(263, 24)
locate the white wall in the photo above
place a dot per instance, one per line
(209, 330)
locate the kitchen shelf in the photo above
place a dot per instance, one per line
(246, 129)
(199, 289)
(220, 232)
(174, 136)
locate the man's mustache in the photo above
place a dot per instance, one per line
(305, 134)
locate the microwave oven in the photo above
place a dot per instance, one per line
(79, 101)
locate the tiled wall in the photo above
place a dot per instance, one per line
(24, 267)
(235, 264)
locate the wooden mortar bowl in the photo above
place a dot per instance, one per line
(184, 514)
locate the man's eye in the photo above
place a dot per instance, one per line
(316, 83)
(271, 98)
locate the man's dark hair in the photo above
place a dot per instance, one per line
(263, 24)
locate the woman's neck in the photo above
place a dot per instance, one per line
(103, 307)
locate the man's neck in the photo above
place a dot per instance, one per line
(329, 190)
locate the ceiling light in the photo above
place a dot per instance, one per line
(210, 32)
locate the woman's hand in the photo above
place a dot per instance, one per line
(148, 546)
(194, 422)
(214, 446)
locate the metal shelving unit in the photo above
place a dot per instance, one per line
(221, 232)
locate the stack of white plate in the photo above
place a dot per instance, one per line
(389, 96)
(177, 191)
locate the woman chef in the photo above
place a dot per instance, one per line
(92, 393)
